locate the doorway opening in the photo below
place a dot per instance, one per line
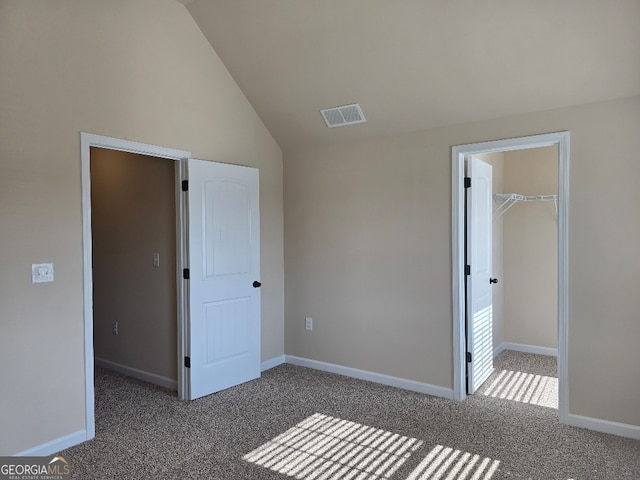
(514, 343)
(559, 141)
(97, 142)
(216, 269)
(133, 224)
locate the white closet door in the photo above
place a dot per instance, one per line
(479, 295)
(224, 263)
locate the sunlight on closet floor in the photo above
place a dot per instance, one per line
(523, 377)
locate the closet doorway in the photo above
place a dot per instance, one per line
(525, 266)
(512, 318)
(538, 165)
(217, 260)
(135, 304)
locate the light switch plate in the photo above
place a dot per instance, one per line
(41, 272)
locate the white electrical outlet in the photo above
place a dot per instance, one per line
(308, 323)
(156, 259)
(41, 272)
(114, 329)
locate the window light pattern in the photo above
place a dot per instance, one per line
(525, 387)
(322, 447)
(445, 463)
(482, 345)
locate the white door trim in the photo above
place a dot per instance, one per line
(458, 153)
(88, 140)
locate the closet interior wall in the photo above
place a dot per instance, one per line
(530, 249)
(525, 249)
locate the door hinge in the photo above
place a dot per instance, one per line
(469, 358)
(187, 362)
(185, 185)
(185, 273)
(467, 269)
(467, 182)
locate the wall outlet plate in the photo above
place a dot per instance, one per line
(41, 272)
(308, 323)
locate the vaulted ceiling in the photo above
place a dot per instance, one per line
(418, 64)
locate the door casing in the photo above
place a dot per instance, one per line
(458, 154)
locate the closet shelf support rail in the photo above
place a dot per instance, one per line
(508, 200)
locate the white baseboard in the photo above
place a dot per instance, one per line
(137, 373)
(604, 426)
(54, 446)
(272, 362)
(372, 377)
(521, 347)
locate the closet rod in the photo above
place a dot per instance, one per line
(508, 200)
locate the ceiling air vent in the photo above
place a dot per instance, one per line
(341, 116)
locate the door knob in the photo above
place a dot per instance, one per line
(493, 280)
(257, 284)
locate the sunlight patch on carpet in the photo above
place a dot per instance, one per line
(524, 387)
(446, 463)
(323, 447)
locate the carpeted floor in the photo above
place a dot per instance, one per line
(295, 422)
(523, 377)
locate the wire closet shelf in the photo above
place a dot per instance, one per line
(507, 200)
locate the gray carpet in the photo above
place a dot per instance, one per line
(295, 422)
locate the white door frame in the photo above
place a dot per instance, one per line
(458, 153)
(88, 140)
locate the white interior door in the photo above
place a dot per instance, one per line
(223, 339)
(479, 258)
